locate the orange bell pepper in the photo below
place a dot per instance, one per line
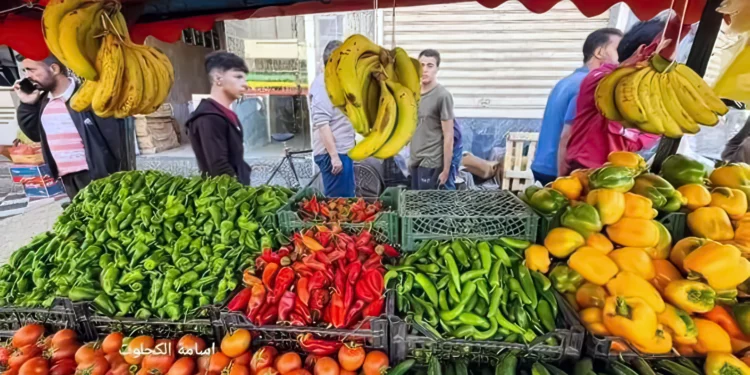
(711, 337)
(683, 247)
(665, 272)
(600, 242)
(723, 318)
(591, 295)
(634, 259)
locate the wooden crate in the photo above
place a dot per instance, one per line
(519, 154)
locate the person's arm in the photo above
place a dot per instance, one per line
(213, 140)
(562, 149)
(733, 146)
(446, 122)
(27, 113)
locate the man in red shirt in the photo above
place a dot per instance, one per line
(592, 137)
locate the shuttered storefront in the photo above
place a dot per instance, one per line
(497, 63)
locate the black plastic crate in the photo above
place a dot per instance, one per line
(98, 326)
(410, 341)
(676, 224)
(60, 315)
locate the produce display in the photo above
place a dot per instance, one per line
(340, 210)
(659, 97)
(624, 276)
(378, 90)
(146, 244)
(474, 290)
(324, 278)
(92, 39)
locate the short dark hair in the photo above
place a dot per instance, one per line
(328, 51)
(224, 61)
(49, 60)
(597, 39)
(431, 53)
(641, 33)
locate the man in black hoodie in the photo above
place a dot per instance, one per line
(215, 130)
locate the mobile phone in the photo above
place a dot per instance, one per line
(27, 86)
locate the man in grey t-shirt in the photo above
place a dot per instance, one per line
(432, 143)
(333, 137)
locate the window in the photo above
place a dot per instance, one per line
(327, 28)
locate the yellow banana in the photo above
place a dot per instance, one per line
(647, 96)
(406, 123)
(706, 93)
(605, 93)
(165, 75)
(333, 84)
(692, 102)
(111, 60)
(418, 67)
(672, 105)
(150, 80)
(671, 128)
(365, 67)
(355, 117)
(53, 14)
(381, 129)
(407, 74)
(626, 97)
(74, 28)
(132, 87)
(372, 99)
(93, 39)
(81, 100)
(121, 26)
(351, 50)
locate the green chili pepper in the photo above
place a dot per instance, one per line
(443, 282)
(104, 304)
(468, 291)
(482, 290)
(494, 277)
(123, 296)
(453, 293)
(473, 320)
(443, 300)
(485, 255)
(108, 278)
(460, 253)
(515, 287)
(138, 251)
(131, 277)
(501, 255)
(480, 308)
(527, 284)
(488, 334)
(428, 268)
(495, 299)
(143, 314)
(80, 293)
(428, 288)
(464, 331)
(185, 279)
(450, 263)
(472, 275)
(544, 311)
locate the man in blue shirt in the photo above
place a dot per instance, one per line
(600, 48)
(458, 151)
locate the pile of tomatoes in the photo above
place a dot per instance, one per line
(30, 352)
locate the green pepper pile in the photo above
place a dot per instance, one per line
(478, 290)
(146, 244)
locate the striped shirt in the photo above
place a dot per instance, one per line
(63, 139)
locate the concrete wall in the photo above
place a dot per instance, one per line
(190, 77)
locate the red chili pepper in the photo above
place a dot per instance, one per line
(324, 238)
(374, 261)
(286, 305)
(364, 238)
(303, 291)
(338, 310)
(318, 301)
(296, 320)
(302, 311)
(322, 257)
(335, 255)
(268, 315)
(351, 252)
(354, 313)
(352, 272)
(370, 286)
(375, 308)
(239, 302)
(257, 297)
(327, 314)
(339, 280)
(318, 346)
(268, 275)
(348, 296)
(270, 257)
(284, 280)
(390, 251)
(318, 281)
(314, 206)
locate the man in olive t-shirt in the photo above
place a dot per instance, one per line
(432, 143)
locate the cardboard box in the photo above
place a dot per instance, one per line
(44, 190)
(23, 173)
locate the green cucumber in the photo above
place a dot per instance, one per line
(642, 366)
(675, 368)
(619, 368)
(401, 368)
(507, 365)
(553, 370)
(584, 367)
(539, 369)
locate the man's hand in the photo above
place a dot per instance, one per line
(336, 165)
(443, 178)
(24, 97)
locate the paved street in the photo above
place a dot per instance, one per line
(18, 230)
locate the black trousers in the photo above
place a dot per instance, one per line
(74, 182)
(425, 178)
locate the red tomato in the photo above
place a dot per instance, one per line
(63, 336)
(299, 371)
(87, 353)
(4, 355)
(235, 343)
(310, 361)
(244, 359)
(326, 366)
(218, 362)
(10, 372)
(202, 363)
(34, 366)
(236, 369)
(351, 358)
(157, 363)
(27, 335)
(97, 366)
(140, 343)
(20, 356)
(267, 371)
(65, 366)
(112, 343)
(376, 363)
(287, 362)
(121, 368)
(191, 343)
(262, 358)
(183, 366)
(64, 349)
(346, 372)
(114, 359)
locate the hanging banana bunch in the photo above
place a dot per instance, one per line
(121, 78)
(659, 97)
(378, 90)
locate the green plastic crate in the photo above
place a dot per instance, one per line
(471, 214)
(385, 227)
(676, 224)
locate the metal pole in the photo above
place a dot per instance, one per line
(700, 54)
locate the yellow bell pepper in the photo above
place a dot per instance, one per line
(660, 343)
(680, 324)
(600, 242)
(634, 259)
(629, 284)
(639, 207)
(664, 246)
(634, 232)
(718, 363)
(609, 203)
(562, 242)
(627, 159)
(591, 295)
(711, 337)
(665, 273)
(537, 258)
(594, 266)
(683, 247)
(583, 177)
(697, 196)
(569, 186)
(742, 233)
(734, 175)
(722, 266)
(630, 318)
(592, 320)
(710, 222)
(733, 201)
(691, 296)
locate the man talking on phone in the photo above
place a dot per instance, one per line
(77, 146)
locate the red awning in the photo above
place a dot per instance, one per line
(23, 33)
